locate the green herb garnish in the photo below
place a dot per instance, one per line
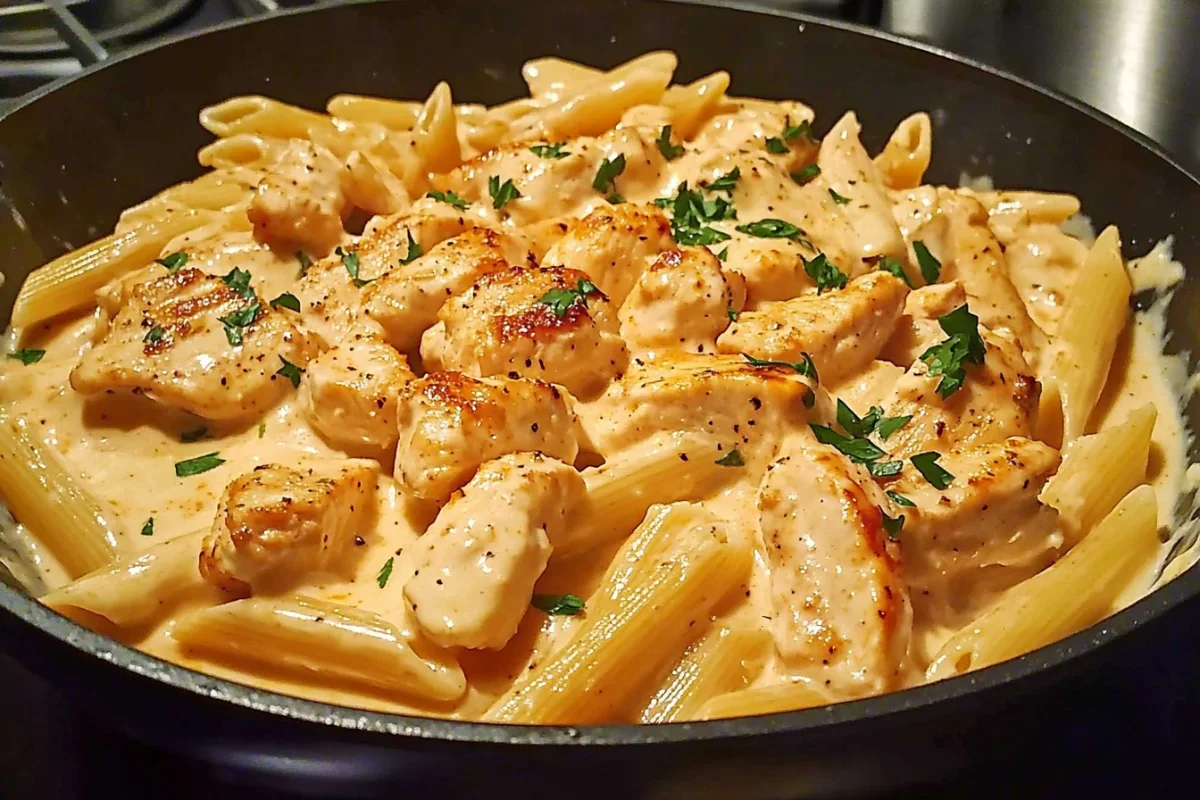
(148, 527)
(964, 345)
(691, 215)
(154, 335)
(385, 572)
(889, 425)
(776, 145)
(239, 281)
(731, 459)
(193, 435)
(837, 198)
(805, 366)
(562, 300)
(27, 356)
(926, 464)
(824, 273)
(900, 499)
(350, 262)
(414, 250)
(608, 172)
(896, 268)
(733, 315)
(501, 193)
(286, 300)
(197, 465)
(305, 262)
(550, 150)
(450, 198)
(236, 323)
(559, 605)
(773, 229)
(670, 151)
(174, 261)
(892, 526)
(802, 130)
(931, 268)
(860, 451)
(290, 371)
(806, 174)
(726, 182)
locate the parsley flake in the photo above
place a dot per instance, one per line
(896, 268)
(239, 280)
(350, 262)
(174, 261)
(691, 214)
(860, 451)
(148, 527)
(899, 499)
(414, 250)
(805, 366)
(806, 174)
(286, 300)
(889, 425)
(824, 273)
(559, 605)
(731, 459)
(197, 465)
(562, 300)
(550, 150)
(772, 229)
(926, 464)
(615, 199)
(733, 315)
(236, 323)
(501, 193)
(837, 198)
(27, 356)
(385, 572)
(776, 145)
(608, 172)
(853, 424)
(154, 335)
(305, 262)
(892, 527)
(450, 198)
(963, 345)
(193, 435)
(931, 268)
(803, 130)
(670, 151)
(262, 428)
(290, 371)
(721, 256)
(726, 182)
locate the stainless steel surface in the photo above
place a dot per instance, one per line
(33, 33)
(78, 39)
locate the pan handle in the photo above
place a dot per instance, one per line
(78, 39)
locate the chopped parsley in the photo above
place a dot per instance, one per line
(691, 215)
(731, 459)
(853, 424)
(889, 425)
(501, 193)
(860, 451)
(559, 605)
(837, 198)
(561, 300)
(305, 262)
(27, 356)
(286, 300)
(726, 182)
(414, 250)
(899, 499)
(350, 262)
(926, 464)
(892, 527)
(806, 174)
(239, 281)
(774, 229)
(608, 172)
(896, 268)
(805, 366)
(385, 572)
(550, 150)
(290, 371)
(262, 428)
(193, 435)
(931, 268)
(721, 256)
(729, 312)
(154, 335)
(615, 199)
(174, 261)
(824, 273)
(450, 198)
(236, 323)
(148, 527)
(670, 151)
(803, 130)
(197, 465)
(776, 145)
(963, 345)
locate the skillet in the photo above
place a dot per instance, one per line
(77, 153)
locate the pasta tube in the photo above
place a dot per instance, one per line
(637, 623)
(772, 699)
(1076, 592)
(725, 660)
(329, 642)
(48, 500)
(906, 156)
(692, 105)
(435, 137)
(394, 114)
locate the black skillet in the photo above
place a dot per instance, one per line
(77, 153)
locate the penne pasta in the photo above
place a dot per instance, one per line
(642, 617)
(772, 699)
(435, 136)
(692, 105)
(1076, 592)
(242, 150)
(725, 660)
(369, 185)
(326, 642)
(1036, 207)
(1098, 470)
(397, 115)
(42, 495)
(1091, 322)
(262, 116)
(906, 156)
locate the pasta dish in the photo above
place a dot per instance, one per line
(623, 402)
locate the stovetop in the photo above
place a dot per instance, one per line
(1134, 59)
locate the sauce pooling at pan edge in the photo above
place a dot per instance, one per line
(624, 402)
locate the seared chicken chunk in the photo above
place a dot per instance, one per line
(683, 301)
(450, 424)
(300, 201)
(350, 394)
(477, 564)
(614, 246)
(195, 342)
(841, 615)
(744, 407)
(918, 330)
(277, 524)
(405, 301)
(842, 330)
(532, 322)
(989, 516)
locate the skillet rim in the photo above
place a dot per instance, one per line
(1019, 670)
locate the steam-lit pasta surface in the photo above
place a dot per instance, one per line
(624, 402)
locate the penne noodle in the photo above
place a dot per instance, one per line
(397, 115)
(262, 116)
(1072, 594)
(548, 77)
(725, 660)
(692, 105)
(773, 699)
(328, 643)
(369, 185)
(1044, 207)
(75, 526)
(242, 150)
(139, 590)
(435, 137)
(70, 282)
(641, 618)
(1098, 470)
(906, 156)
(598, 108)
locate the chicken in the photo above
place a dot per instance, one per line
(450, 423)
(205, 344)
(405, 301)
(683, 301)
(840, 609)
(989, 516)
(870, 387)
(744, 407)
(533, 322)
(386, 245)
(477, 563)
(748, 126)
(349, 394)
(842, 330)
(614, 246)
(277, 524)
(918, 330)
(300, 200)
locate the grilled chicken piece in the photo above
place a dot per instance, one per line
(614, 246)
(870, 387)
(477, 564)
(450, 424)
(747, 128)
(682, 302)
(989, 516)
(842, 330)
(530, 322)
(840, 608)
(350, 394)
(551, 187)
(999, 399)
(300, 201)
(385, 244)
(744, 407)
(192, 341)
(277, 524)
(405, 301)
(918, 329)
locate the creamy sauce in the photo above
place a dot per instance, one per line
(123, 447)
